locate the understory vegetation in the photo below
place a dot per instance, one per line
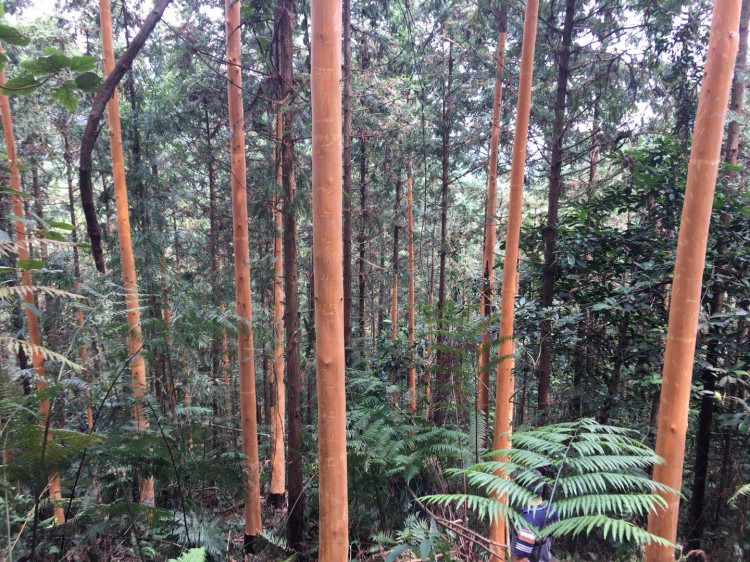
(158, 436)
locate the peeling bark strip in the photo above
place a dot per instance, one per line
(329, 282)
(504, 390)
(245, 355)
(689, 265)
(91, 132)
(35, 334)
(129, 280)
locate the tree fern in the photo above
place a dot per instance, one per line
(596, 473)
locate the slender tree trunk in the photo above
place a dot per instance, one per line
(38, 207)
(278, 408)
(347, 102)
(166, 316)
(104, 96)
(35, 334)
(688, 270)
(622, 346)
(220, 347)
(139, 207)
(412, 378)
(68, 156)
(696, 518)
(381, 291)
(219, 343)
(132, 304)
(294, 459)
(264, 412)
(245, 355)
(361, 239)
(394, 284)
(443, 374)
(428, 363)
(327, 260)
(549, 233)
(505, 386)
(311, 342)
(490, 224)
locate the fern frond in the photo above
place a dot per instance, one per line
(12, 344)
(616, 529)
(485, 508)
(741, 491)
(599, 504)
(599, 480)
(7, 291)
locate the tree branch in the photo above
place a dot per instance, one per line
(91, 132)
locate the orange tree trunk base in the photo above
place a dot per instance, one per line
(505, 385)
(689, 265)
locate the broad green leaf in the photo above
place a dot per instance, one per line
(52, 51)
(88, 82)
(7, 269)
(425, 547)
(396, 552)
(52, 235)
(21, 85)
(30, 264)
(46, 65)
(9, 34)
(82, 63)
(11, 191)
(67, 95)
(60, 225)
(3, 60)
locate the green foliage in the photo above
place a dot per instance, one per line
(596, 473)
(741, 492)
(192, 555)
(419, 536)
(11, 35)
(69, 76)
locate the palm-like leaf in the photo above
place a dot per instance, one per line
(596, 473)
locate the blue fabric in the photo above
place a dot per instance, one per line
(522, 543)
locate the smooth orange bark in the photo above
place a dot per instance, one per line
(504, 389)
(246, 355)
(684, 308)
(325, 90)
(278, 405)
(130, 283)
(35, 335)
